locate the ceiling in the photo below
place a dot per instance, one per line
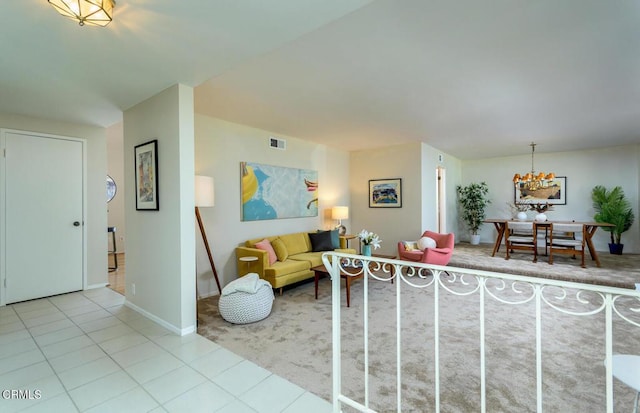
(472, 78)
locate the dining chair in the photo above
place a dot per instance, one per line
(557, 235)
(564, 244)
(521, 236)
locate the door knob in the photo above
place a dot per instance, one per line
(76, 224)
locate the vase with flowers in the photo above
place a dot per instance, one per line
(519, 210)
(541, 209)
(369, 239)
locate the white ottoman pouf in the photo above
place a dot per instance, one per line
(246, 300)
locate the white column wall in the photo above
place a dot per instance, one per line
(161, 244)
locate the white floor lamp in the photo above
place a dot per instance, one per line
(205, 198)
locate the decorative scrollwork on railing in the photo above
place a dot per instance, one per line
(562, 296)
(381, 271)
(629, 307)
(351, 266)
(449, 279)
(525, 292)
(565, 297)
(417, 277)
(417, 272)
(357, 267)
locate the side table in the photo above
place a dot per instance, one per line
(348, 278)
(346, 238)
(248, 260)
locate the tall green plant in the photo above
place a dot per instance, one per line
(473, 200)
(614, 208)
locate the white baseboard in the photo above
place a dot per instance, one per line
(93, 286)
(163, 323)
(211, 294)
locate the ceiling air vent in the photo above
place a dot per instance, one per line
(276, 143)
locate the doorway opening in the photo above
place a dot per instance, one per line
(441, 200)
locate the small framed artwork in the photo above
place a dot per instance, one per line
(385, 193)
(146, 171)
(553, 192)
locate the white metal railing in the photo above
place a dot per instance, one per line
(443, 280)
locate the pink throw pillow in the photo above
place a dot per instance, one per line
(265, 245)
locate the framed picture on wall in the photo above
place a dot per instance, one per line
(385, 193)
(553, 192)
(146, 172)
(277, 192)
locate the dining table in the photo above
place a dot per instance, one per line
(590, 229)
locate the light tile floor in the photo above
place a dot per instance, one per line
(87, 352)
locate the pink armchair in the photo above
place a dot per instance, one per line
(437, 256)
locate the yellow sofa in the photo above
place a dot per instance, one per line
(295, 258)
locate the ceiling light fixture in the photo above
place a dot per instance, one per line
(532, 181)
(89, 12)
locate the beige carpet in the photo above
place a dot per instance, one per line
(295, 343)
(615, 270)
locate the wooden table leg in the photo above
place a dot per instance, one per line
(317, 277)
(500, 226)
(589, 230)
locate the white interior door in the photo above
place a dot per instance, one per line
(43, 218)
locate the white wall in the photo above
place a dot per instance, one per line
(161, 244)
(220, 147)
(584, 169)
(416, 164)
(391, 224)
(115, 169)
(452, 171)
(96, 219)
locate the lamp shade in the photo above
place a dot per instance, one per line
(340, 212)
(89, 12)
(204, 191)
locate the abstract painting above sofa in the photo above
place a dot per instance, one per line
(275, 192)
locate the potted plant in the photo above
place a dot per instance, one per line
(473, 200)
(614, 208)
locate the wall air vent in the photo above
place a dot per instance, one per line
(276, 143)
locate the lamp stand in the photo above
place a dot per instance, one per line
(206, 244)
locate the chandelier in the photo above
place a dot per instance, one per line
(89, 12)
(531, 180)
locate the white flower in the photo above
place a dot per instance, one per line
(369, 238)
